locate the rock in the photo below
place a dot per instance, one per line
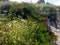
(5, 9)
(41, 2)
(5, 6)
(56, 32)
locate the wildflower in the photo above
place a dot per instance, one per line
(9, 25)
(14, 41)
(14, 36)
(6, 39)
(14, 32)
(18, 38)
(12, 44)
(30, 40)
(23, 20)
(4, 32)
(5, 44)
(0, 31)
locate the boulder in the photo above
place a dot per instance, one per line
(41, 2)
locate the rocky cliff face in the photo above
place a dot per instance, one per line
(58, 17)
(5, 6)
(55, 30)
(41, 2)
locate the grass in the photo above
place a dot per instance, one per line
(24, 32)
(29, 31)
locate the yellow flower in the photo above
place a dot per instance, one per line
(18, 38)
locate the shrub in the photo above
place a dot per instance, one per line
(24, 11)
(26, 33)
(22, 27)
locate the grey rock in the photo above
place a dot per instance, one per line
(41, 2)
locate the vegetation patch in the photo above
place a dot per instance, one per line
(22, 26)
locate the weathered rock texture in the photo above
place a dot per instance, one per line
(55, 30)
(41, 2)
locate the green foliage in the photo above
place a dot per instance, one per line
(15, 30)
(26, 11)
(25, 32)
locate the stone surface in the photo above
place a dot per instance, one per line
(56, 32)
(41, 2)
